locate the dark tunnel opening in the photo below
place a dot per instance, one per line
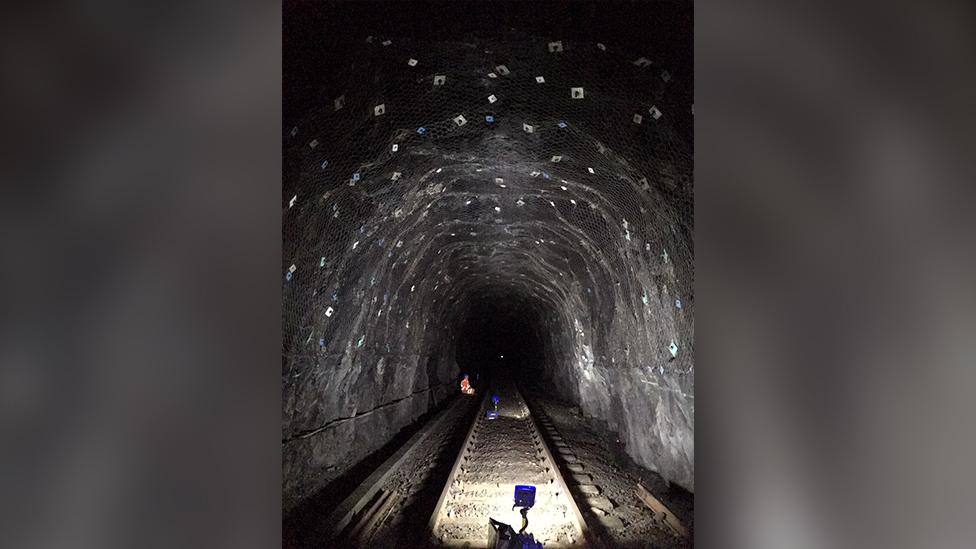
(504, 335)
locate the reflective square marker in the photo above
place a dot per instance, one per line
(540, 80)
(576, 93)
(379, 109)
(439, 79)
(412, 62)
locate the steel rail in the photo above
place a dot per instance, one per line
(582, 536)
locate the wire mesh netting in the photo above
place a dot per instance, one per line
(543, 174)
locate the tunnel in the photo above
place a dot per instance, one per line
(501, 333)
(513, 205)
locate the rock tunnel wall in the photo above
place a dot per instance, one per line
(532, 172)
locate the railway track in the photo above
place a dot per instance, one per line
(496, 455)
(382, 511)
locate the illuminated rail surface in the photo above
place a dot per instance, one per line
(497, 455)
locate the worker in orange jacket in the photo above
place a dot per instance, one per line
(466, 387)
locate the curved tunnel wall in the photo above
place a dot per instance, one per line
(410, 203)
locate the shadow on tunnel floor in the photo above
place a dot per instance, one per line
(679, 501)
(305, 527)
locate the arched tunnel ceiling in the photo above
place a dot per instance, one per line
(408, 198)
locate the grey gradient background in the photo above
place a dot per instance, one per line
(835, 271)
(139, 386)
